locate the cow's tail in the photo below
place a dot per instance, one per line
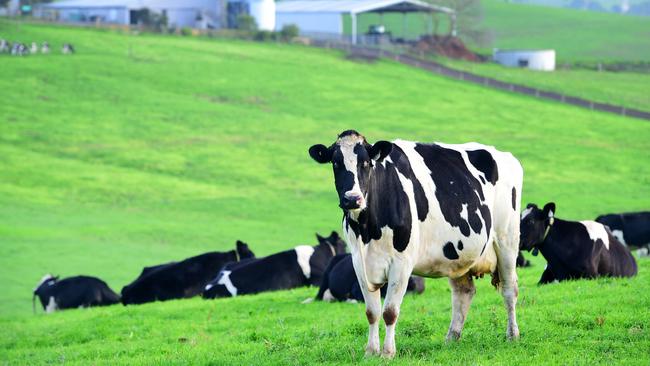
(34, 303)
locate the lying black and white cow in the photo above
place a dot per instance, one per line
(340, 282)
(67, 49)
(73, 292)
(433, 210)
(632, 228)
(5, 46)
(522, 261)
(184, 279)
(303, 265)
(572, 249)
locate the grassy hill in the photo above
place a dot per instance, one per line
(575, 35)
(144, 149)
(628, 89)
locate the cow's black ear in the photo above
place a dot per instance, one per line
(321, 153)
(380, 150)
(320, 238)
(334, 235)
(531, 205)
(549, 209)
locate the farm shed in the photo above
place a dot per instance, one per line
(543, 60)
(325, 18)
(180, 13)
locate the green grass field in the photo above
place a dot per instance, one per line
(575, 35)
(144, 149)
(631, 90)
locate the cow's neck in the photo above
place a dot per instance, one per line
(555, 243)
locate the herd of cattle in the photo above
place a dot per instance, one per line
(429, 210)
(21, 49)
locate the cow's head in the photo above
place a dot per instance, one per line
(535, 224)
(243, 251)
(46, 281)
(352, 159)
(334, 241)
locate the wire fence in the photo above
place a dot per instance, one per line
(403, 57)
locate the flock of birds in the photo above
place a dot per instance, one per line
(21, 49)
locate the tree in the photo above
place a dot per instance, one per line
(468, 21)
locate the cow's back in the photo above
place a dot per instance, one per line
(617, 261)
(472, 191)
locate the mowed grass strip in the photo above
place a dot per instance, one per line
(144, 149)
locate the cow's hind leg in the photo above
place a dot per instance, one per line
(462, 292)
(397, 283)
(507, 249)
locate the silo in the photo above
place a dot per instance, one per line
(264, 13)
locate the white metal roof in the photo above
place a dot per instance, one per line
(349, 6)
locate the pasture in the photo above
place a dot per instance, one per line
(141, 149)
(628, 89)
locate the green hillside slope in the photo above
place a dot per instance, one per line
(143, 149)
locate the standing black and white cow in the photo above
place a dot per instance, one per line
(303, 265)
(431, 209)
(73, 292)
(184, 279)
(632, 228)
(340, 282)
(573, 249)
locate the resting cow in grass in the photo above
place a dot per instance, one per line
(184, 279)
(340, 282)
(434, 210)
(73, 292)
(302, 266)
(573, 249)
(632, 228)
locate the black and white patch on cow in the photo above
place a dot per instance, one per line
(631, 228)
(72, 292)
(183, 279)
(303, 265)
(340, 282)
(573, 249)
(432, 209)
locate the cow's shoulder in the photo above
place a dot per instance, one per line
(597, 232)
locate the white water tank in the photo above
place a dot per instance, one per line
(532, 59)
(264, 13)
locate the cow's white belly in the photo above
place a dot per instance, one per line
(433, 263)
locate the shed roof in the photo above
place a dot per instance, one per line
(357, 6)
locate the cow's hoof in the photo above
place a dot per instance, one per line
(388, 353)
(513, 335)
(372, 350)
(453, 336)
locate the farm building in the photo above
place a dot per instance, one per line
(186, 13)
(543, 60)
(327, 18)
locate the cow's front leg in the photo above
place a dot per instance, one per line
(373, 307)
(398, 278)
(462, 292)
